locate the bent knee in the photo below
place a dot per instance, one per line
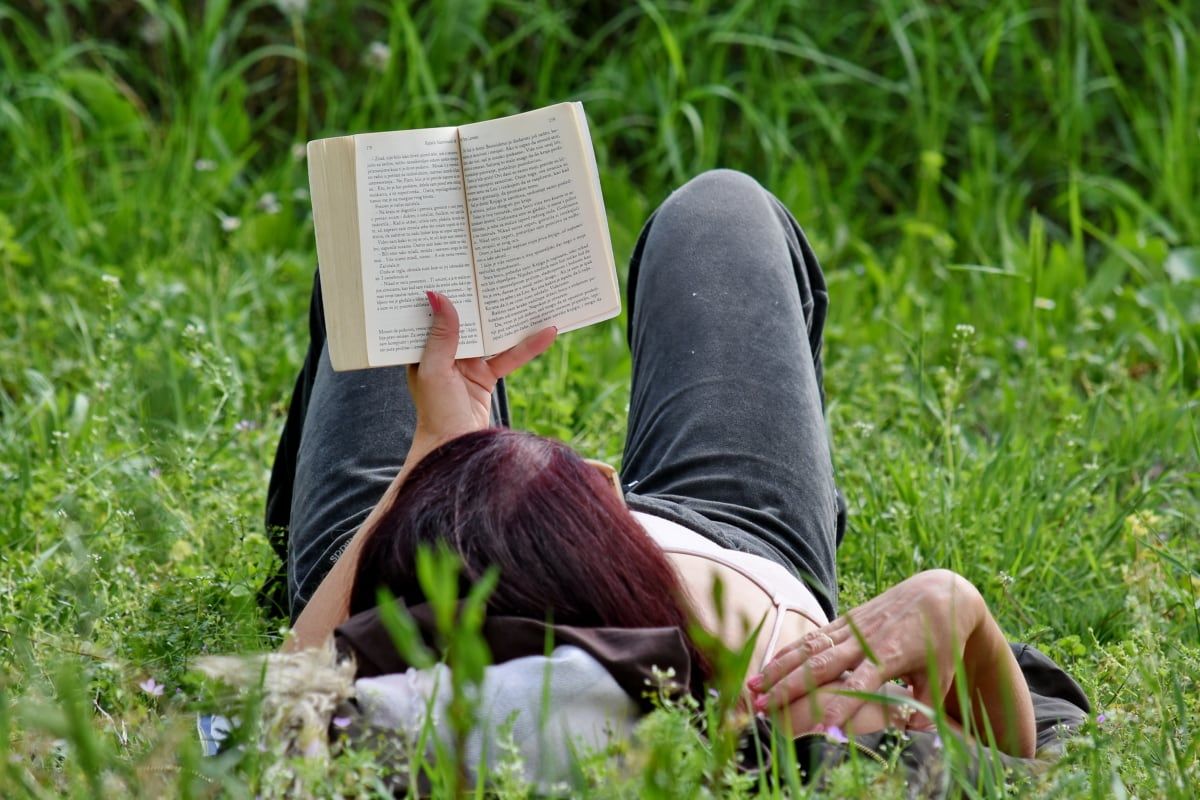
(720, 182)
(715, 195)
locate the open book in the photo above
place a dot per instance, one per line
(505, 217)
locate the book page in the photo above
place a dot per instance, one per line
(541, 243)
(413, 233)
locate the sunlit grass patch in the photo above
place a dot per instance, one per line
(1003, 196)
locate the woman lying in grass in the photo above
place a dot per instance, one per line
(726, 474)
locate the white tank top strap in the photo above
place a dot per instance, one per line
(787, 592)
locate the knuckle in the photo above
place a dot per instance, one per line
(785, 662)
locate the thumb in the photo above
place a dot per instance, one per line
(442, 344)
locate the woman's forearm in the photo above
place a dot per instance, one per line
(997, 692)
(452, 397)
(330, 604)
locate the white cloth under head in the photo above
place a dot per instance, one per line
(556, 707)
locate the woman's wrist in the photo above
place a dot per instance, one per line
(425, 441)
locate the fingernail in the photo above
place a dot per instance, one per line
(435, 302)
(818, 728)
(755, 683)
(760, 703)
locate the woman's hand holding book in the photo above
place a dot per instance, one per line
(452, 396)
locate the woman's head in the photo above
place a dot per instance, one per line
(566, 546)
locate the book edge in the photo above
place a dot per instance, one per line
(583, 130)
(340, 272)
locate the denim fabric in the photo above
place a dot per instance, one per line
(726, 429)
(726, 433)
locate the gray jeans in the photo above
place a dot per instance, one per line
(726, 431)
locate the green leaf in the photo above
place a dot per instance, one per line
(403, 631)
(111, 110)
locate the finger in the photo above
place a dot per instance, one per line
(803, 715)
(523, 352)
(817, 671)
(791, 657)
(865, 678)
(838, 631)
(441, 346)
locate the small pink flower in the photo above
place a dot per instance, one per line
(837, 734)
(1100, 718)
(341, 722)
(151, 687)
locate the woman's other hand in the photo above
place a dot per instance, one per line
(452, 396)
(918, 631)
(930, 613)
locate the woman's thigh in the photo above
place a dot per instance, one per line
(726, 304)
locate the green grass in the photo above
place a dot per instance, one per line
(1003, 195)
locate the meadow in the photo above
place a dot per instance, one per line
(1005, 197)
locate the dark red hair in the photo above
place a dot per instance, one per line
(567, 548)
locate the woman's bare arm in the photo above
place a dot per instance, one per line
(330, 604)
(917, 631)
(996, 690)
(452, 397)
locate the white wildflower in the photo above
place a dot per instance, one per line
(269, 203)
(153, 30)
(297, 8)
(229, 224)
(1044, 304)
(205, 165)
(299, 151)
(112, 281)
(378, 56)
